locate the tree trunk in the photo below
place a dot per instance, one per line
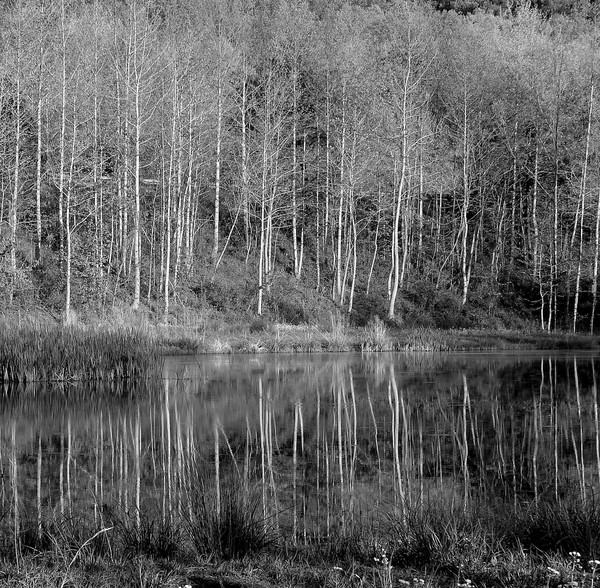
(399, 200)
(68, 227)
(465, 207)
(217, 201)
(297, 264)
(137, 211)
(596, 256)
(582, 200)
(340, 211)
(38, 166)
(15, 191)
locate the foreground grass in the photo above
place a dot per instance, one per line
(347, 564)
(552, 546)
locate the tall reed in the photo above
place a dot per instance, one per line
(57, 353)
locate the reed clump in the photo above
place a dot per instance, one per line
(337, 337)
(424, 339)
(147, 535)
(69, 353)
(233, 528)
(376, 337)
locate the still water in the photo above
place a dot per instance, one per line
(319, 438)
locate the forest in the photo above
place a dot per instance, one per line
(375, 153)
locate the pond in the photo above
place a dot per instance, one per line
(317, 441)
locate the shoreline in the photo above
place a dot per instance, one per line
(41, 350)
(246, 334)
(278, 338)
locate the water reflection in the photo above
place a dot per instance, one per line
(320, 439)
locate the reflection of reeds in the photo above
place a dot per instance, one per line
(395, 421)
(39, 489)
(14, 477)
(464, 447)
(295, 473)
(137, 457)
(536, 445)
(580, 459)
(376, 439)
(69, 460)
(596, 423)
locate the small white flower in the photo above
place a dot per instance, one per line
(553, 571)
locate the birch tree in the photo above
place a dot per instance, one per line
(407, 57)
(138, 63)
(293, 27)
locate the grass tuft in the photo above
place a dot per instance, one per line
(218, 345)
(153, 536)
(423, 339)
(337, 338)
(235, 530)
(376, 337)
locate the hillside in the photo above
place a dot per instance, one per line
(215, 163)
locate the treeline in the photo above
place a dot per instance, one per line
(380, 148)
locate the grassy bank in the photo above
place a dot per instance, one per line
(336, 334)
(546, 546)
(127, 344)
(279, 338)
